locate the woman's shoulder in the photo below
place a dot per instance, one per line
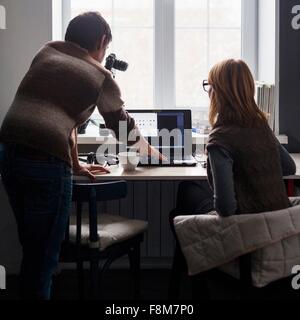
(219, 139)
(228, 132)
(232, 138)
(222, 134)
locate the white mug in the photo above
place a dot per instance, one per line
(129, 160)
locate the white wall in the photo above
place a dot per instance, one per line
(29, 26)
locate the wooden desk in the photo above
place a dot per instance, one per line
(168, 173)
(152, 194)
(153, 174)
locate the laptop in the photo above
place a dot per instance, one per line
(170, 131)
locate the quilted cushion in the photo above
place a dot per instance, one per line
(209, 241)
(112, 229)
(271, 263)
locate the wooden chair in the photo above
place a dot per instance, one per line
(107, 239)
(199, 283)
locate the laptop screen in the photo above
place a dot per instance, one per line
(164, 128)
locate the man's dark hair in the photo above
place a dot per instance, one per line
(87, 29)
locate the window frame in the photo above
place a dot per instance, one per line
(164, 86)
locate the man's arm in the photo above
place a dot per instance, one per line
(90, 171)
(74, 151)
(111, 107)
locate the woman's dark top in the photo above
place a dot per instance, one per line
(221, 162)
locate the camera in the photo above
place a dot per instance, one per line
(113, 63)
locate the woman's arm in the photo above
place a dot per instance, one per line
(222, 172)
(288, 165)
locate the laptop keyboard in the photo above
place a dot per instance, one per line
(170, 162)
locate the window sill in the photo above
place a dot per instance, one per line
(92, 137)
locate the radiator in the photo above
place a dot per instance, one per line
(151, 201)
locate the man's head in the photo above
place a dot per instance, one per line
(91, 32)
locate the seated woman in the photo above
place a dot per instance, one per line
(246, 163)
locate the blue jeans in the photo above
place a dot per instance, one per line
(39, 187)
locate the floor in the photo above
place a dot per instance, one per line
(117, 286)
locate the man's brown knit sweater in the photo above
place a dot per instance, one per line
(59, 93)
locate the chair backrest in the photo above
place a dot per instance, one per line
(104, 191)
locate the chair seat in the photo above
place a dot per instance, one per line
(112, 229)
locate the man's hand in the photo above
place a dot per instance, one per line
(154, 153)
(90, 171)
(146, 149)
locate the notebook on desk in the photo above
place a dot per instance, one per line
(170, 131)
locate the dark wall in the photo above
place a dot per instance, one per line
(289, 94)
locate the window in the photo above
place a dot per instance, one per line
(170, 46)
(133, 41)
(203, 39)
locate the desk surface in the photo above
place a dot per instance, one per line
(167, 174)
(153, 174)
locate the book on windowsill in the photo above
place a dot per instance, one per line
(265, 99)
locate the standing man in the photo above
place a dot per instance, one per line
(64, 84)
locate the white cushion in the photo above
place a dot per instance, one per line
(271, 263)
(112, 229)
(210, 241)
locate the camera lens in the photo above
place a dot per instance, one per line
(120, 65)
(113, 63)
